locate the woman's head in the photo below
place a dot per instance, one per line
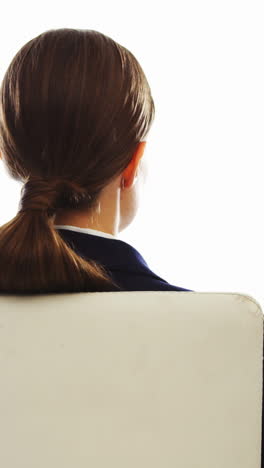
(74, 105)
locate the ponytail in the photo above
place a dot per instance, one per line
(34, 258)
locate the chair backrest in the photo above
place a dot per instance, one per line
(146, 379)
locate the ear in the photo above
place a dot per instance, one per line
(130, 171)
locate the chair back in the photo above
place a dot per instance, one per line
(146, 379)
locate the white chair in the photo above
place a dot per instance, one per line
(142, 379)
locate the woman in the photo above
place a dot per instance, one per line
(76, 108)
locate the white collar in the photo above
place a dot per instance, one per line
(85, 230)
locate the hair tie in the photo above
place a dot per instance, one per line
(41, 194)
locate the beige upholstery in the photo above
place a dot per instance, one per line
(142, 379)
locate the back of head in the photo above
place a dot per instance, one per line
(74, 105)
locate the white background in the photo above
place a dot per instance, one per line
(200, 225)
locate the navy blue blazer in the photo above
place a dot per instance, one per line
(124, 263)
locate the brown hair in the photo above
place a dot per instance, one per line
(74, 105)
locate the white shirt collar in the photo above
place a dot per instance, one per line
(85, 230)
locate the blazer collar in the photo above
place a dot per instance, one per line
(112, 252)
